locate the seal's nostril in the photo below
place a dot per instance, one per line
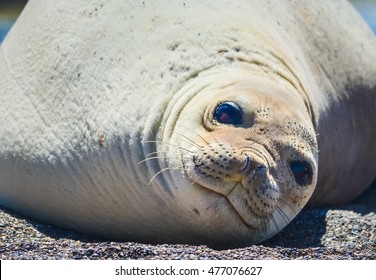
(255, 170)
(246, 164)
(194, 158)
(259, 172)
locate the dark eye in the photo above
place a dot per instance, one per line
(302, 172)
(228, 113)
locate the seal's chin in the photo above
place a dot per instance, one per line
(256, 205)
(245, 178)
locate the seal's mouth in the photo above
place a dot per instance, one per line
(247, 210)
(242, 177)
(244, 219)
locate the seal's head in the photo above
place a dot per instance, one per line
(248, 149)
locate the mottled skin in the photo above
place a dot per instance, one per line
(110, 126)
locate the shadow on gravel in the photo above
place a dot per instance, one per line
(307, 229)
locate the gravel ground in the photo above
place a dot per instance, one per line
(347, 232)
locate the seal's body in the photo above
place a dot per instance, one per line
(185, 121)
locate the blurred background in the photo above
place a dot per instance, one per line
(10, 9)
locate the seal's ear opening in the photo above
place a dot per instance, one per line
(229, 113)
(302, 172)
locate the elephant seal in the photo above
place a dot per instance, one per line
(195, 122)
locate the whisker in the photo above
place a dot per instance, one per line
(235, 185)
(280, 149)
(283, 215)
(201, 148)
(151, 141)
(288, 206)
(215, 139)
(230, 144)
(182, 148)
(279, 181)
(266, 103)
(150, 159)
(193, 182)
(271, 216)
(190, 140)
(259, 101)
(163, 143)
(316, 149)
(159, 172)
(205, 141)
(264, 226)
(153, 153)
(180, 168)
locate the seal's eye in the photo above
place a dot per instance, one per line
(228, 113)
(302, 172)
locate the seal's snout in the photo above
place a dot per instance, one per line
(223, 162)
